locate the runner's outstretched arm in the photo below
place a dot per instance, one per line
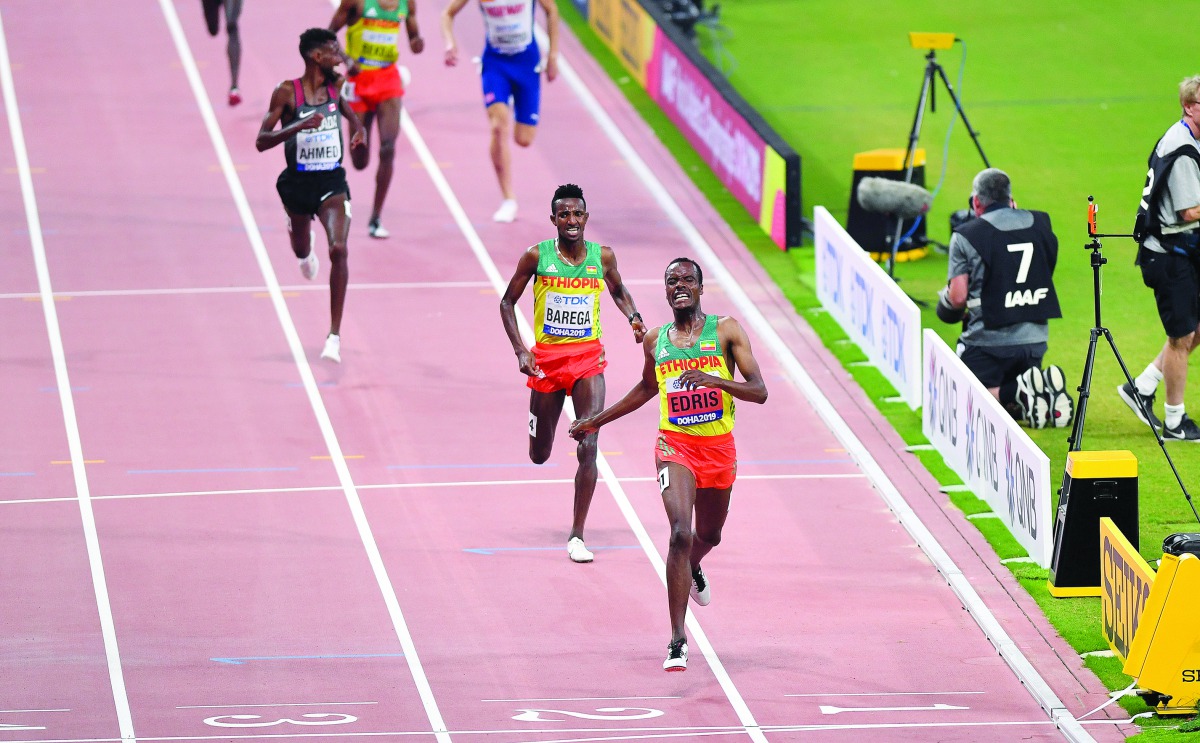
(641, 393)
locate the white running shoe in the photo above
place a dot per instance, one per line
(577, 552)
(507, 211)
(333, 349)
(1033, 398)
(310, 265)
(676, 656)
(1062, 407)
(701, 591)
(377, 231)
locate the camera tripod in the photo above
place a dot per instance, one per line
(1075, 440)
(932, 69)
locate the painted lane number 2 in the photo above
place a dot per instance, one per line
(640, 713)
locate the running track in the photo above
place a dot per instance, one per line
(206, 533)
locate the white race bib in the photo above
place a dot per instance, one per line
(568, 315)
(321, 148)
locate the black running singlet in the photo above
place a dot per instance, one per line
(316, 149)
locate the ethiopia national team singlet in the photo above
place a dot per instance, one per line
(317, 149)
(373, 40)
(566, 298)
(699, 412)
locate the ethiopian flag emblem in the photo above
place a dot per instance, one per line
(592, 269)
(708, 345)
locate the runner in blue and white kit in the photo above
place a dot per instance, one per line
(510, 71)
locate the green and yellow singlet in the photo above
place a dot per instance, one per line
(699, 412)
(566, 298)
(373, 40)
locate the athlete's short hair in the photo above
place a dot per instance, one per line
(1189, 91)
(992, 186)
(567, 191)
(313, 38)
(699, 272)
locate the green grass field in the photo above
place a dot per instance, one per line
(1068, 98)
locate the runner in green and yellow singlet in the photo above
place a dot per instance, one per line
(374, 86)
(567, 357)
(689, 365)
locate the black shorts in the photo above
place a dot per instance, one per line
(995, 366)
(1176, 290)
(303, 193)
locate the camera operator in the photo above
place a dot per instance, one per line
(1166, 231)
(1001, 288)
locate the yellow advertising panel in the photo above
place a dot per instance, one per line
(628, 30)
(772, 217)
(1165, 654)
(1125, 580)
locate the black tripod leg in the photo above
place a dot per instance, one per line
(1162, 444)
(1075, 440)
(913, 135)
(962, 114)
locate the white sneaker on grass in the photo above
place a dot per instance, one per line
(507, 211)
(577, 551)
(333, 349)
(1033, 398)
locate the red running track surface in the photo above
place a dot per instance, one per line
(211, 534)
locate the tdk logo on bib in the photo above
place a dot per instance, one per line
(568, 315)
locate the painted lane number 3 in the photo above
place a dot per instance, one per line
(243, 721)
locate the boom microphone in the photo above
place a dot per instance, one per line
(903, 200)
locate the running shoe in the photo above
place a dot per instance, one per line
(507, 211)
(1062, 407)
(1141, 405)
(310, 265)
(701, 591)
(676, 656)
(1032, 397)
(235, 96)
(1187, 430)
(376, 230)
(577, 551)
(333, 349)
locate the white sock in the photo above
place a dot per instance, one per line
(1147, 381)
(1174, 415)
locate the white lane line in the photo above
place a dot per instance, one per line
(699, 638)
(309, 381)
(599, 734)
(185, 290)
(108, 628)
(980, 612)
(281, 704)
(403, 486)
(888, 694)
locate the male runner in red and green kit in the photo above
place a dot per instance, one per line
(689, 367)
(569, 274)
(374, 85)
